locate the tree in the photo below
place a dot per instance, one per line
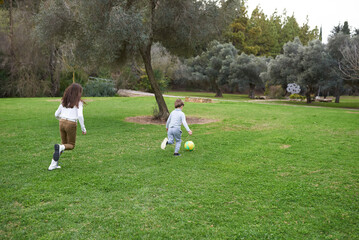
(344, 29)
(290, 29)
(237, 31)
(24, 61)
(213, 65)
(349, 64)
(246, 71)
(321, 34)
(111, 31)
(252, 35)
(283, 69)
(265, 36)
(306, 35)
(309, 66)
(314, 67)
(335, 43)
(262, 36)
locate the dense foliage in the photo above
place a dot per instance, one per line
(213, 65)
(246, 71)
(98, 87)
(263, 35)
(144, 45)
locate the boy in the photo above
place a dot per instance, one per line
(173, 127)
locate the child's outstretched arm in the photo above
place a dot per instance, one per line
(81, 118)
(184, 122)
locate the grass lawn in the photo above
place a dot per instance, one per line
(345, 102)
(261, 172)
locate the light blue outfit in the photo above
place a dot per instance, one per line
(174, 122)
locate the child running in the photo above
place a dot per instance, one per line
(173, 126)
(69, 111)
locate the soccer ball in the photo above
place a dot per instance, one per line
(189, 146)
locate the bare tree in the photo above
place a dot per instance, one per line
(349, 64)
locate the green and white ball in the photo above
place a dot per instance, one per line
(189, 146)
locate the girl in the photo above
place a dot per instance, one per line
(69, 111)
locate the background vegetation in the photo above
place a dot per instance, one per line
(46, 45)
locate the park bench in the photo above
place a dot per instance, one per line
(260, 97)
(318, 99)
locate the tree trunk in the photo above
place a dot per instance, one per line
(55, 84)
(251, 90)
(216, 88)
(337, 98)
(11, 37)
(337, 92)
(11, 29)
(162, 107)
(307, 94)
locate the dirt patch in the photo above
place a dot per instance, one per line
(285, 146)
(198, 100)
(150, 120)
(353, 112)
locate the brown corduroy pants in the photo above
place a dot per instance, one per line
(68, 133)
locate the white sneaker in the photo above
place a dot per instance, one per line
(62, 148)
(164, 143)
(54, 165)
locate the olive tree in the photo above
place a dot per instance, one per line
(314, 67)
(111, 31)
(213, 65)
(309, 66)
(283, 68)
(246, 70)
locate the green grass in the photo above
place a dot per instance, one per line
(261, 172)
(345, 102)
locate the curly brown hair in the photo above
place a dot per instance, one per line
(72, 96)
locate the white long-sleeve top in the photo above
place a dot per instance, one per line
(72, 114)
(176, 118)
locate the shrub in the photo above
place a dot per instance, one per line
(145, 84)
(275, 91)
(5, 83)
(296, 96)
(100, 88)
(156, 113)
